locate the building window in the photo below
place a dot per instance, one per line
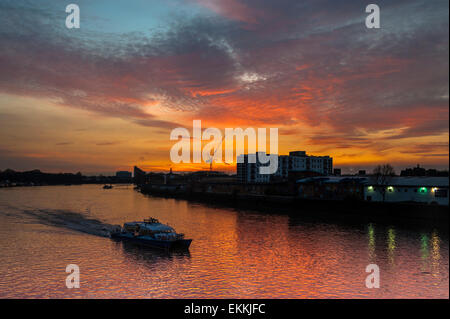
(440, 193)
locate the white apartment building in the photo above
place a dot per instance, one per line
(297, 161)
(249, 172)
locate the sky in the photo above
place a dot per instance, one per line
(106, 96)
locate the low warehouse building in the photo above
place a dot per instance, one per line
(431, 190)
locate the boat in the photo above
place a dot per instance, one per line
(107, 187)
(152, 233)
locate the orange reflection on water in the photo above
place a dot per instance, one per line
(234, 254)
(435, 253)
(391, 246)
(372, 238)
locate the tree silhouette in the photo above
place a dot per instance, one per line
(381, 177)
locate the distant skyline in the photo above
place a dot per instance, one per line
(105, 97)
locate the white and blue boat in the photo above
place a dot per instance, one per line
(151, 233)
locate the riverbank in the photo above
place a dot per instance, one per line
(63, 184)
(11, 178)
(387, 212)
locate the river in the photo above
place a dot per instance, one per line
(234, 253)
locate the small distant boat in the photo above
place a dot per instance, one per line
(151, 233)
(107, 187)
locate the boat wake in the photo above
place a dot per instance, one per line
(71, 220)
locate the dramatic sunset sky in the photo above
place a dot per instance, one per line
(106, 96)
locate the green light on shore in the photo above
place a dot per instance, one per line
(370, 188)
(390, 189)
(423, 189)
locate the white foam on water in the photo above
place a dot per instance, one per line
(71, 220)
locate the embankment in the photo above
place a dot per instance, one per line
(356, 210)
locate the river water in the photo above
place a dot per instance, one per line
(234, 253)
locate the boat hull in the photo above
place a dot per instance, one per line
(154, 243)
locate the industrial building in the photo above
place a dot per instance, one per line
(429, 190)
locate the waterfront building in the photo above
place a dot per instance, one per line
(431, 190)
(294, 164)
(420, 171)
(139, 176)
(299, 161)
(123, 175)
(332, 187)
(248, 172)
(283, 167)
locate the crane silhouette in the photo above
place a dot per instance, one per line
(211, 158)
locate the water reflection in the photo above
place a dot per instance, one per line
(234, 254)
(435, 253)
(431, 260)
(424, 248)
(150, 255)
(371, 234)
(391, 246)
